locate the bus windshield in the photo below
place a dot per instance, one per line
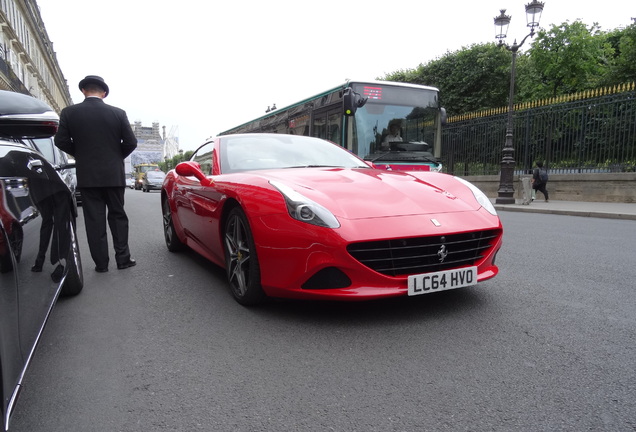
(396, 124)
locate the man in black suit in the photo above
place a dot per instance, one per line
(99, 137)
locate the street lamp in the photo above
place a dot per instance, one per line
(505, 194)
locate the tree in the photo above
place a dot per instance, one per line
(569, 58)
(623, 68)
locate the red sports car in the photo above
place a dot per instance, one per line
(299, 217)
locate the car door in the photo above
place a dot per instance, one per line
(39, 251)
(26, 296)
(200, 213)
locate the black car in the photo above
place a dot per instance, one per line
(39, 251)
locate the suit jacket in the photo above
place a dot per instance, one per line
(99, 137)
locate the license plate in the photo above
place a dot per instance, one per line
(441, 281)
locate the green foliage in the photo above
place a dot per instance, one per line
(624, 62)
(564, 59)
(171, 163)
(569, 58)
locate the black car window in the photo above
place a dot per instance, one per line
(47, 148)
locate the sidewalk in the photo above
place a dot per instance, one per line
(574, 208)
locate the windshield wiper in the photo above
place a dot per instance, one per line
(380, 157)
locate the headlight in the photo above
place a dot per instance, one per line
(481, 197)
(305, 210)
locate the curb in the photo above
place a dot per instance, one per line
(581, 213)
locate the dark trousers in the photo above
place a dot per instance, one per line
(541, 188)
(95, 203)
(55, 219)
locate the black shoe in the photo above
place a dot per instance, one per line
(57, 273)
(38, 264)
(130, 263)
(101, 269)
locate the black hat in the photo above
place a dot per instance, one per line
(94, 79)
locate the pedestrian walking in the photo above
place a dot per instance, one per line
(540, 180)
(99, 137)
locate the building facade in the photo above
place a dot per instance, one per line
(149, 144)
(28, 63)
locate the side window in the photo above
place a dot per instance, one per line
(47, 148)
(204, 157)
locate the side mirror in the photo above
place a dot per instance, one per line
(191, 168)
(443, 117)
(352, 101)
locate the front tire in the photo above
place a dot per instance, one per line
(241, 262)
(169, 234)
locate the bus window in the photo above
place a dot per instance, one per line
(299, 125)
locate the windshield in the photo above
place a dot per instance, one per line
(256, 151)
(147, 168)
(395, 120)
(155, 175)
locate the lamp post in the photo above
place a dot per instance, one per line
(505, 194)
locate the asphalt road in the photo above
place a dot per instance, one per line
(548, 345)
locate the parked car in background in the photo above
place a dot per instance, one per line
(130, 180)
(300, 217)
(152, 180)
(39, 250)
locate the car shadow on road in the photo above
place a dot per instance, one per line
(431, 306)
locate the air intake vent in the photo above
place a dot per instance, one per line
(397, 257)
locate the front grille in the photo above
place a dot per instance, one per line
(408, 256)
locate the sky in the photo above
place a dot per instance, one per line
(200, 67)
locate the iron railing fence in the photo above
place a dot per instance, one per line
(585, 133)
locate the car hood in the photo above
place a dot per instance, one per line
(370, 193)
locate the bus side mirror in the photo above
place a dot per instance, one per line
(352, 101)
(442, 115)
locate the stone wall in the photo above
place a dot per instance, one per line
(610, 187)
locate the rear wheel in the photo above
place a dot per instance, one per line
(241, 262)
(170, 235)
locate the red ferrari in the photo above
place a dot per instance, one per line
(299, 217)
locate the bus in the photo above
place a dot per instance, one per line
(394, 125)
(140, 170)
